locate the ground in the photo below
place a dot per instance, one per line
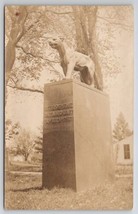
(24, 191)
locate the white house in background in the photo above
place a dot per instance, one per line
(123, 151)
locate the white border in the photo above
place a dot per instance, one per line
(67, 2)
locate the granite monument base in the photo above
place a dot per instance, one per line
(77, 142)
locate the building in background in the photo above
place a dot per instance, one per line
(123, 151)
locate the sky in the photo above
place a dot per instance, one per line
(121, 91)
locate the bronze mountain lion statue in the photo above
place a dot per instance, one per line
(73, 60)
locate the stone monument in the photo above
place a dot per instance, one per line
(77, 142)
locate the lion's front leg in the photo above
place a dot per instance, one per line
(70, 69)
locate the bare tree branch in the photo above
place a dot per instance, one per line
(30, 27)
(26, 89)
(13, 80)
(59, 13)
(8, 36)
(114, 23)
(22, 25)
(35, 56)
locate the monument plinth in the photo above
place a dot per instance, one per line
(77, 143)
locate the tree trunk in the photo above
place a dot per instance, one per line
(18, 18)
(92, 18)
(80, 27)
(26, 157)
(9, 59)
(85, 24)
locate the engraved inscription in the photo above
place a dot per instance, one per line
(58, 120)
(59, 106)
(59, 113)
(57, 116)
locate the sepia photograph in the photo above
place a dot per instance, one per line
(69, 126)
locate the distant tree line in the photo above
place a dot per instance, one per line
(21, 141)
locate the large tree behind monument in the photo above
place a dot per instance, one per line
(95, 30)
(27, 28)
(91, 30)
(85, 24)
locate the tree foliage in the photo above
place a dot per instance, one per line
(121, 129)
(38, 144)
(91, 30)
(22, 27)
(12, 130)
(24, 144)
(39, 141)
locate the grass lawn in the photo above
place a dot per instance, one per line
(25, 192)
(25, 167)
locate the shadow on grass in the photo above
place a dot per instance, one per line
(27, 189)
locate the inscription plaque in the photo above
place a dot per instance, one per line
(58, 115)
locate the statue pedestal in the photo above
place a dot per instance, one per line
(77, 142)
